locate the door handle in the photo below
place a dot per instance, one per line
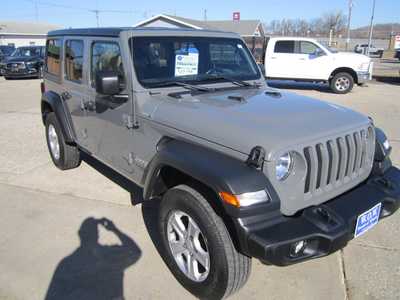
(273, 57)
(302, 58)
(66, 95)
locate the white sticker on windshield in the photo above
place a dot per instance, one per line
(187, 62)
(239, 46)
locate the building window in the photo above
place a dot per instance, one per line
(74, 60)
(53, 64)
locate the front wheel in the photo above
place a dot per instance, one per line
(342, 83)
(63, 155)
(197, 246)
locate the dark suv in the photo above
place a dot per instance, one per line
(5, 51)
(24, 62)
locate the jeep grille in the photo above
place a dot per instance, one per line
(337, 161)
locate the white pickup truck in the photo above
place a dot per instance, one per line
(304, 59)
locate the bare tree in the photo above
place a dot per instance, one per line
(334, 20)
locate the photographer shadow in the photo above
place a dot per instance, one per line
(94, 271)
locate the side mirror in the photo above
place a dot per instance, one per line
(262, 69)
(107, 83)
(319, 52)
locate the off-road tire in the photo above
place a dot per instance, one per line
(344, 78)
(229, 269)
(69, 157)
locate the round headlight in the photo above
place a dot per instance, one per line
(283, 166)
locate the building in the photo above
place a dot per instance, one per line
(252, 31)
(23, 33)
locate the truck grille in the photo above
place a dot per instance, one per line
(337, 160)
(16, 65)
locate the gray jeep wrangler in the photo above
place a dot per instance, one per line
(242, 170)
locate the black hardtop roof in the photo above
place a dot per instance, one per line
(115, 31)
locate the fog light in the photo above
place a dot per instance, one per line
(297, 248)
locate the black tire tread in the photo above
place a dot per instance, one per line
(70, 153)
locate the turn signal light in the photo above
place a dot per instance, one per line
(229, 198)
(246, 199)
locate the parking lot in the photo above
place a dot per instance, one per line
(42, 210)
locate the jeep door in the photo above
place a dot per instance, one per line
(110, 139)
(74, 83)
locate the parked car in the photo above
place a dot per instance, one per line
(5, 51)
(363, 49)
(24, 62)
(304, 59)
(242, 170)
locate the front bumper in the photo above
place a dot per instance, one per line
(325, 228)
(364, 76)
(21, 73)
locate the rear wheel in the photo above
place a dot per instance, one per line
(64, 156)
(342, 83)
(197, 246)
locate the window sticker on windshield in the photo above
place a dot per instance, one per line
(239, 46)
(187, 62)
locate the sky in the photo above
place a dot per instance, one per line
(76, 13)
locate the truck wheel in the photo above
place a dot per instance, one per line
(380, 54)
(64, 156)
(342, 83)
(197, 246)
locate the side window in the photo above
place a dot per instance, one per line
(74, 60)
(284, 47)
(307, 47)
(229, 57)
(106, 56)
(53, 64)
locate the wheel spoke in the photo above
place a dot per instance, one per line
(178, 226)
(193, 230)
(203, 259)
(190, 266)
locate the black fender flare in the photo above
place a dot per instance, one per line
(218, 171)
(55, 102)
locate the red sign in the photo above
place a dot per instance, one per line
(236, 16)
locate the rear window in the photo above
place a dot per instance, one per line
(284, 47)
(53, 64)
(74, 60)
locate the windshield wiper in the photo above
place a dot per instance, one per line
(232, 80)
(187, 86)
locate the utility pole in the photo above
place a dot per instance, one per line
(371, 26)
(205, 15)
(96, 11)
(348, 24)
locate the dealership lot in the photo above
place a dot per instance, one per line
(43, 208)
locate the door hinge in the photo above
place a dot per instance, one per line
(129, 122)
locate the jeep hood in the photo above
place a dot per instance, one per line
(274, 121)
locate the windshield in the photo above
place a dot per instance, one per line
(26, 52)
(6, 50)
(162, 60)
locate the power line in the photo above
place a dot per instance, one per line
(87, 9)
